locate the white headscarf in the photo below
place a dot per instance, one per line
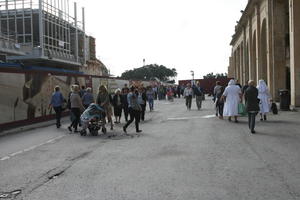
(231, 82)
(262, 86)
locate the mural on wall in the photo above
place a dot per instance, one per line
(38, 89)
(12, 106)
(26, 96)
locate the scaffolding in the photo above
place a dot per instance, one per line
(45, 28)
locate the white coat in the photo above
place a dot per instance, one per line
(264, 97)
(232, 93)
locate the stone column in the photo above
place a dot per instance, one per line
(295, 51)
(279, 29)
(270, 48)
(241, 64)
(258, 67)
(250, 49)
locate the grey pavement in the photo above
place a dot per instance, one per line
(180, 154)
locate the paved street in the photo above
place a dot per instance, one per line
(180, 155)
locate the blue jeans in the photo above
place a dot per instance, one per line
(151, 103)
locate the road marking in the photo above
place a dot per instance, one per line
(192, 117)
(208, 116)
(31, 148)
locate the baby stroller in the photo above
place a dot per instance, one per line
(93, 118)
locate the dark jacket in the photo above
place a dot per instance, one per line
(252, 102)
(124, 100)
(197, 91)
(115, 100)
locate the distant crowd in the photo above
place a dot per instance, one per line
(231, 101)
(130, 102)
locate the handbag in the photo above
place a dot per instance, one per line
(242, 109)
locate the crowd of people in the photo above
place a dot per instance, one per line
(230, 101)
(131, 102)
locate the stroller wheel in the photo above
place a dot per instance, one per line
(83, 133)
(94, 133)
(104, 130)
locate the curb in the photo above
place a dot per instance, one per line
(30, 127)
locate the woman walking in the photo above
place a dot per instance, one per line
(87, 98)
(125, 92)
(264, 99)
(117, 103)
(134, 110)
(57, 100)
(104, 101)
(232, 97)
(76, 108)
(218, 91)
(142, 100)
(150, 97)
(252, 107)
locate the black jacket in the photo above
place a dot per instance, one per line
(115, 100)
(252, 102)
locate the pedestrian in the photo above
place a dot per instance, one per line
(150, 98)
(142, 100)
(264, 99)
(188, 95)
(82, 91)
(103, 100)
(170, 94)
(198, 91)
(155, 92)
(232, 97)
(178, 91)
(252, 106)
(238, 84)
(56, 102)
(76, 108)
(117, 103)
(125, 92)
(245, 87)
(87, 98)
(218, 92)
(134, 110)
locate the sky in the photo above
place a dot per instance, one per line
(182, 34)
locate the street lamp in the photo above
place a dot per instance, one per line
(192, 72)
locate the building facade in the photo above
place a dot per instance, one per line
(266, 45)
(46, 33)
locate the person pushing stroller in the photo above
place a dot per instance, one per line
(93, 118)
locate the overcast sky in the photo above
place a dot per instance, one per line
(182, 34)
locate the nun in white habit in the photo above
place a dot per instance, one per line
(232, 96)
(264, 99)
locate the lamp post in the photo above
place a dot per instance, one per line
(192, 72)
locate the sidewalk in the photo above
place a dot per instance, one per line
(33, 126)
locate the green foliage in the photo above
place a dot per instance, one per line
(214, 76)
(149, 72)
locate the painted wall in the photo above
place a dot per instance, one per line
(25, 96)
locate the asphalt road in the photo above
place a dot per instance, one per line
(180, 154)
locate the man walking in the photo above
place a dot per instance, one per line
(188, 95)
(199, 95)
(57, 100)
(252, 107)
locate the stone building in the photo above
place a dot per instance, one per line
(266, 45)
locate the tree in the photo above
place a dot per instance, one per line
(150, 72)
(214, 76)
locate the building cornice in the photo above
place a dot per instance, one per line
(239, 28)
